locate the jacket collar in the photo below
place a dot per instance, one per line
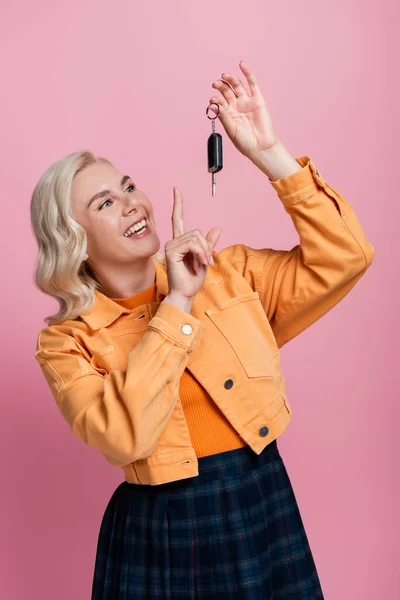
(105, 310)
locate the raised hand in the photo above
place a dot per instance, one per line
(187, 254)
(244, 114)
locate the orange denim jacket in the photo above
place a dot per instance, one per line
(115, 372)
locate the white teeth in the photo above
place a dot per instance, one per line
(136, 227)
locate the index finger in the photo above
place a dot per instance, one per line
(177, 214)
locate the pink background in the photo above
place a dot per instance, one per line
(131, 81)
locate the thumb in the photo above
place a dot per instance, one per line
(227, 122)
(213, 236)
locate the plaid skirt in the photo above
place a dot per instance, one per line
(233, 532)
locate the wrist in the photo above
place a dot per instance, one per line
(181, 302)
(276, 162)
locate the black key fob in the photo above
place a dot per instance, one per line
(214, 153)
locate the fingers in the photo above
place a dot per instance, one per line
(236, 89)
(197, 249)
(209, 242)
(224, 116)
(201, 240)
(196, 264)
(236, 84)
(177, 214)
(225, 90)
(212, 237)
(219, 100)
(203, 246)
(251, 79)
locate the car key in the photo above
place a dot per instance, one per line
(214, 148)
(214, 151)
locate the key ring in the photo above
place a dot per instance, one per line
(212, 118)
(217, 115)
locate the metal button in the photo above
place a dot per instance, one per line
(264, 431)
(187, 329)
(228, 384)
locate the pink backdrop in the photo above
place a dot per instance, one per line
(131, 81)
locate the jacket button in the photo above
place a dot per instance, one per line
(228, 384)
(264, 431)
(187, 329)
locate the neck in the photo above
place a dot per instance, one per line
(125, 280)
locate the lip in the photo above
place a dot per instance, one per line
(139, 236)
(137, 221)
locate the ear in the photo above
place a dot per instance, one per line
(86, 256)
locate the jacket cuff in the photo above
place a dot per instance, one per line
(301, 184)
(179, 326)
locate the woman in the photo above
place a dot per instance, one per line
(171, 368)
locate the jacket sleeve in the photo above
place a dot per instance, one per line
(298, 286)
(122, 414)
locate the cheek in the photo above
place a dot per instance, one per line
(110, 220)
(146, 204)
(150, 214)
(103, 230)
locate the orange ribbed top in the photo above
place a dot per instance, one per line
(209, 430)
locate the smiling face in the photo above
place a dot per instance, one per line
(105, 202)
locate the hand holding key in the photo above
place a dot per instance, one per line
(244, 115)
(187, 254)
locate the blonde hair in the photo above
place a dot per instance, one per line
(61, 271)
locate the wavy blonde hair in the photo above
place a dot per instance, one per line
(60, 270)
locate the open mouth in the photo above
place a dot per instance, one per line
(137, 229)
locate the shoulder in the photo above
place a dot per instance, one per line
(58, 337)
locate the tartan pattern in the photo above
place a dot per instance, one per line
(234, 532)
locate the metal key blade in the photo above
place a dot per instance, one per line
(215, 163)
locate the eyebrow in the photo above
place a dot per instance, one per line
(106, 192)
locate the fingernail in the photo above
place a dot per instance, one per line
(211, 260)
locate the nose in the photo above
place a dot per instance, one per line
(130, 204)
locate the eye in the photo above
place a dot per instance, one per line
(132, 185)
(101, 206)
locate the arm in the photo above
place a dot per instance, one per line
(299, 286)
(296, 286)
(121, 414)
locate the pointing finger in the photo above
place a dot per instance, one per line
(177, 214)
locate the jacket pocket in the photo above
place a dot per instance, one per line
(245, 326)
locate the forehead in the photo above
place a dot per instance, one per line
(95, 178)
